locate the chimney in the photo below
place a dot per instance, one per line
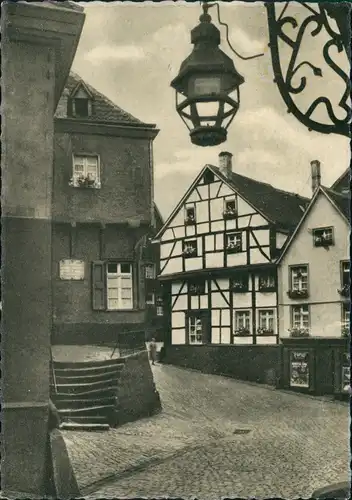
(315, 173)
(225, 163)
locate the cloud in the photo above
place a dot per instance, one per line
(124, 53)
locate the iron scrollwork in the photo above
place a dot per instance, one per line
(339, 39)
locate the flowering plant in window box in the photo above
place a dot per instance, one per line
(190, 220)
(298, 293)
(345, 291)
(84, 181)
(323, 240)
(233, 247)
(189, 250)
(345, 331)
(229, 213)
(299, 332)
(265, 331)
(242, 332)
(239, 287)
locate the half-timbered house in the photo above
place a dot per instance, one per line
(218, 254)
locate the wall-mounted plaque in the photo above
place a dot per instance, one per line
(299, 369)
(71, 269)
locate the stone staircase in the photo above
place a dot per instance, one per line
(85, 393)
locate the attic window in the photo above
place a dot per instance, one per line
(323, 237)
(190, 215)
(230, 209)
(80, 107)
(208, 177)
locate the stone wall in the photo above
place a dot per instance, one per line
(136, 396)
(253, 363)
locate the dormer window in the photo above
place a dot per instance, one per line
(80, 107)
(80, 102)
(230, 209)
(323, 237)
(190, 215)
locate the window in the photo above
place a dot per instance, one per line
(119, 286)
(149, 299)
(81, 107)
(345, 323)
(159, 306)
(196, 288)
(233, 242)
(242, 323)
(230, 209)
(345, 274)
(299, 282)
(150, 271)
(190, 248)
(323, 237)
(300, 317)
(239, 283)
(267, 282)
(195, 330)
(266, 325)
(85, 171)
(190, 215)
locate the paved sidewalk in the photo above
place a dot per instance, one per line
(198, 445)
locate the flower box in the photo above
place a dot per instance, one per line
(242, 332)
(299, 332)
(270, 288)
(320, 241)
(298, 294)
(189, 251)
(265, 331)
(345, 291)
(84, 182)
(229, 214)
(190, 221)
(233, 248)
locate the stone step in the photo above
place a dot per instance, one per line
(82, 371)
(84, 426)
(85, 392)
(84, 402)
(94, 377)
(98, 411)
(66, 365)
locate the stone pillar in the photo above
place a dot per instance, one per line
(31, 60)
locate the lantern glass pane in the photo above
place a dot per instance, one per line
(208, 113)
(207, 86)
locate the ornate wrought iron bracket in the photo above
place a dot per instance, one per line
(318, 14)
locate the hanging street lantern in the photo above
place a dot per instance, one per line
(207, 86)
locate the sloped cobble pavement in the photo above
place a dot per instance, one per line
(217, 437)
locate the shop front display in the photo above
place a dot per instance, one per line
(299, 369)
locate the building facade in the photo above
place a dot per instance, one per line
(103, 214)
(314, 270)
(218, 258)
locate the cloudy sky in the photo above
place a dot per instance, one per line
(131, 51)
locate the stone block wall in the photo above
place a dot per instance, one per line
(136, 396)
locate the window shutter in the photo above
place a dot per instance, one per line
(98, 286)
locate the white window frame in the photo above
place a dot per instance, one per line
(190, 207)
(299, 282)
(237, 314)
(159, 310)
(86, 161)
(237, 240)
(269, 315)
(328, 230)
(152, 298)
(225, 209)
(303, 315)
(345, 271)
(150, 271)
(346, 315)
(193, 329)
(117, 285)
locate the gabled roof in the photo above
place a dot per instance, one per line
(343, 181)
(339, 201)
(281, 208)
(104, 110)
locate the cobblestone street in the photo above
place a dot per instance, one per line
(199, 445)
